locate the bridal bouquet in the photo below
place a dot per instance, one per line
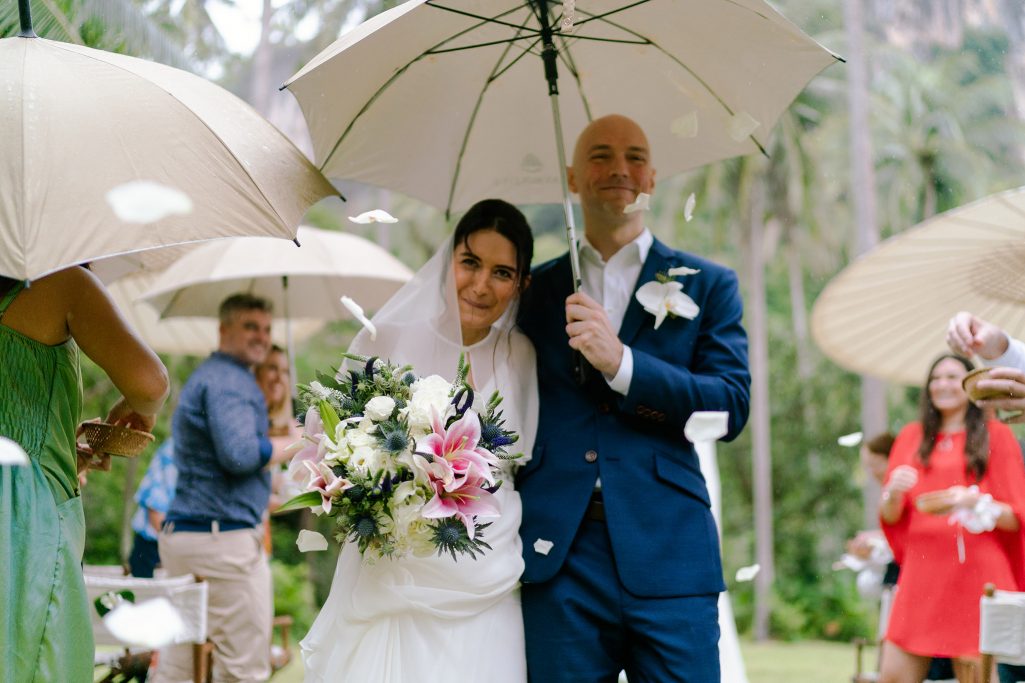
(403, 463)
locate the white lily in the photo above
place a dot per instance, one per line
(146, 201)
(683, 270)
(375, 216)
(642, 203)
(664, 298)
(358, 314)
(11, 453)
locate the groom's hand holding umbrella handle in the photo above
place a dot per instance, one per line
(591, 335)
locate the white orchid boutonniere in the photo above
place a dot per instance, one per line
(664, 296)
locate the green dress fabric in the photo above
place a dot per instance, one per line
(45, 632)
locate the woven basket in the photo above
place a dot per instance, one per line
(972, 378)
(114, 439)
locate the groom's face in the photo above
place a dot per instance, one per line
(611, 165)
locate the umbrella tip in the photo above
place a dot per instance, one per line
(296, 241)
(342, 197)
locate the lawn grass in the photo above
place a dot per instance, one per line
(808, 661)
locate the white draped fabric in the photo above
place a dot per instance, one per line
(435, 619)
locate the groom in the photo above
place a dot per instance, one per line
(621, 551)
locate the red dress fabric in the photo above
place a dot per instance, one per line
(936, 606)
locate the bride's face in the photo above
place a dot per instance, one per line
(486, 281)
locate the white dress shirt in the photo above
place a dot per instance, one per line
(611, 283)
(1013, 357)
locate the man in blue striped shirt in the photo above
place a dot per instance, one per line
(214, 526)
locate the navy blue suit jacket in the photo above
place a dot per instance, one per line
(663, 535)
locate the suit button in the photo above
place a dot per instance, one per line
(604, 408)
(590, 456)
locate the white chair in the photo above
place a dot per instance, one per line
(1001, 629)
(187, 594)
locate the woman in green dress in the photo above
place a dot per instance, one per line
(45, 633)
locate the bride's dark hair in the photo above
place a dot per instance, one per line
(507, 221)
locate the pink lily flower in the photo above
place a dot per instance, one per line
(310, 447)
(465, 503)
(325, 481)
(457, 447)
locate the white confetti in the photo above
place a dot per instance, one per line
(745, 574)
(688, 208)
(569, 14)
(357, 313)
(11, 453)
(375, 216)
(706, 425)
(310, 541)
(642, 203)
(686, 126)
(742, 125)
(850, 440)
(152, 624)
(683, 270)
(543, 547)
(146, 201)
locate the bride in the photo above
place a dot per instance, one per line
(435, 618)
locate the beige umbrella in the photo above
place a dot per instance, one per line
(301, 282)
(457, 100)
(187, 336)
(104, 154)
(886, 314)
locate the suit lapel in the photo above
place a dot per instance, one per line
(658, 261)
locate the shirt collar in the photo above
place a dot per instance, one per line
(640, 246)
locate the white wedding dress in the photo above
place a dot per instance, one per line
(435, 619)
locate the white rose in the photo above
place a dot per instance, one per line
(379, 408)
(430, 395)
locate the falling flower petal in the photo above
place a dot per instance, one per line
(357, 313)
(145, 201)
(11, 453)
(688, 208)
(742, 125)
(543, 547)
(375, 216)
(850, 440)
(568, 14)
(745, 574)
(683, 270)
(152, 624)
(686, 126)
(706, 425)
(642, 203)
(310, 541)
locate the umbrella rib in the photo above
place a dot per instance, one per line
(567, 58)
(496, 71)
(674, 58)
(486, 20)
(526, 51)
(401, 70)
(533, 36)
(601, 17)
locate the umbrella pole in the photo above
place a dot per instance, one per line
(549, 56)
(288, 341)
(25, 14)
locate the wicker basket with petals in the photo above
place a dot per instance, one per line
(115, 439)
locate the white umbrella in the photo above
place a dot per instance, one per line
(188, 336)
(446, 100)
(886, 314)
(186, 160)
(301, 282)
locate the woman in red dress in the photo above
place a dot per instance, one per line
(952, 464)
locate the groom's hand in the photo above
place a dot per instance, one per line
(591, 333)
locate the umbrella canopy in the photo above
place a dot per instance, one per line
(77, 123)
(886, 314)
(301, 282)
(446, 100)
(183, 336)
